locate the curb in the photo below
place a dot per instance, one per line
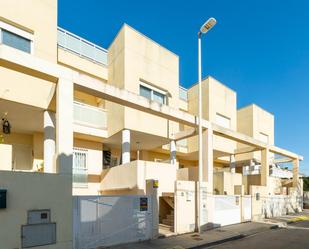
(217, 242)
(232, 238)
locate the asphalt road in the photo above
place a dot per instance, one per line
(296, 236)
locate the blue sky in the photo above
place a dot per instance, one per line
(258, 48)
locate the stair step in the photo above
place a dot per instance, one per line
(170, 216)
(168, 222)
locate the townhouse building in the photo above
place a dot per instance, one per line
(111, 119)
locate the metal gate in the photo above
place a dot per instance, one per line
(246, 207)
(109, 220)
(226, 210)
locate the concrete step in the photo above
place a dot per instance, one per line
(170, 216)
(168, 222)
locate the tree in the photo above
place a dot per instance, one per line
(306, 183)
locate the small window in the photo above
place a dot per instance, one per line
(145, 92)
(264, 137)
(152, 94)
(158, 97)
(16, 41)
(223, 121)
(80, 167)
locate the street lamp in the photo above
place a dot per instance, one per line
(204, 29)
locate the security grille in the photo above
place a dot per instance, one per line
(80, 169)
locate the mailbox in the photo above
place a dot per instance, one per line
(2, 198)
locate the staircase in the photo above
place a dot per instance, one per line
(168, 221)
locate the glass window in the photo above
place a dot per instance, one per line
(16, 41)
(152, 94)
(158, 97)
(223, 121)
(145, 92)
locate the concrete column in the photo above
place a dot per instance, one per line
(232, 164)
(152, 191)
(49, 141)
(208, 159)
(264, 167)
(64, 126)
(206, 187)
(295, 172)
(125, 146)
(173, 152)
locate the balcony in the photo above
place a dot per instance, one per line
(81, 47)
(89, 119)
(131, 177)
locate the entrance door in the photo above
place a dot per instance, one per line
(22, 157)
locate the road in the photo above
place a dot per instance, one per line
(296, 236)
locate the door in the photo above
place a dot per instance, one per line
(22, 157)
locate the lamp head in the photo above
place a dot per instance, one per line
(208, 25)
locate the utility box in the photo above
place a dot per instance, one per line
(2, 198)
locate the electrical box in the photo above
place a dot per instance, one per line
(38, 216)
(2, 198)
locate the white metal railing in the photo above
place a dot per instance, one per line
(82, 47)
(183, 93)
(89, 116)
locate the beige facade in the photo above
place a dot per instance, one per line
(112, 119)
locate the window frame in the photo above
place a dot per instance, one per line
(18, 32)
(152, 90)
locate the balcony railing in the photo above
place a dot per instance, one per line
(182, 143)
(183, 93)
(81, 47)
(90, 116)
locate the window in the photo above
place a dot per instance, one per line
(152, 94)
(264, 137)
(16, 41)
(15, 37)
(80, 169)
(223, 121)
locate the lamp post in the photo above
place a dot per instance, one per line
(204, 29)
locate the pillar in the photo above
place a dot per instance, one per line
(64, 126)
(206, 187)
(49, 141)
(264, 167)
(232, 164)
(173, 152)
(295, 172)
(152, 192)
(208, 158)
(125, 146)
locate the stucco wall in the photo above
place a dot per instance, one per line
(131, 178)
(216, 99)
(34, 17)
(30, 191)
(134, 57)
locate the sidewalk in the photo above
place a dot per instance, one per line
(286, 220)
(195, 240)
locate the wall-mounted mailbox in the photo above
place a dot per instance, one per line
(2, 198)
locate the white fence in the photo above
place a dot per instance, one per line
(109, 220)
(226, 210)
(278, 205)
(246, 207)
